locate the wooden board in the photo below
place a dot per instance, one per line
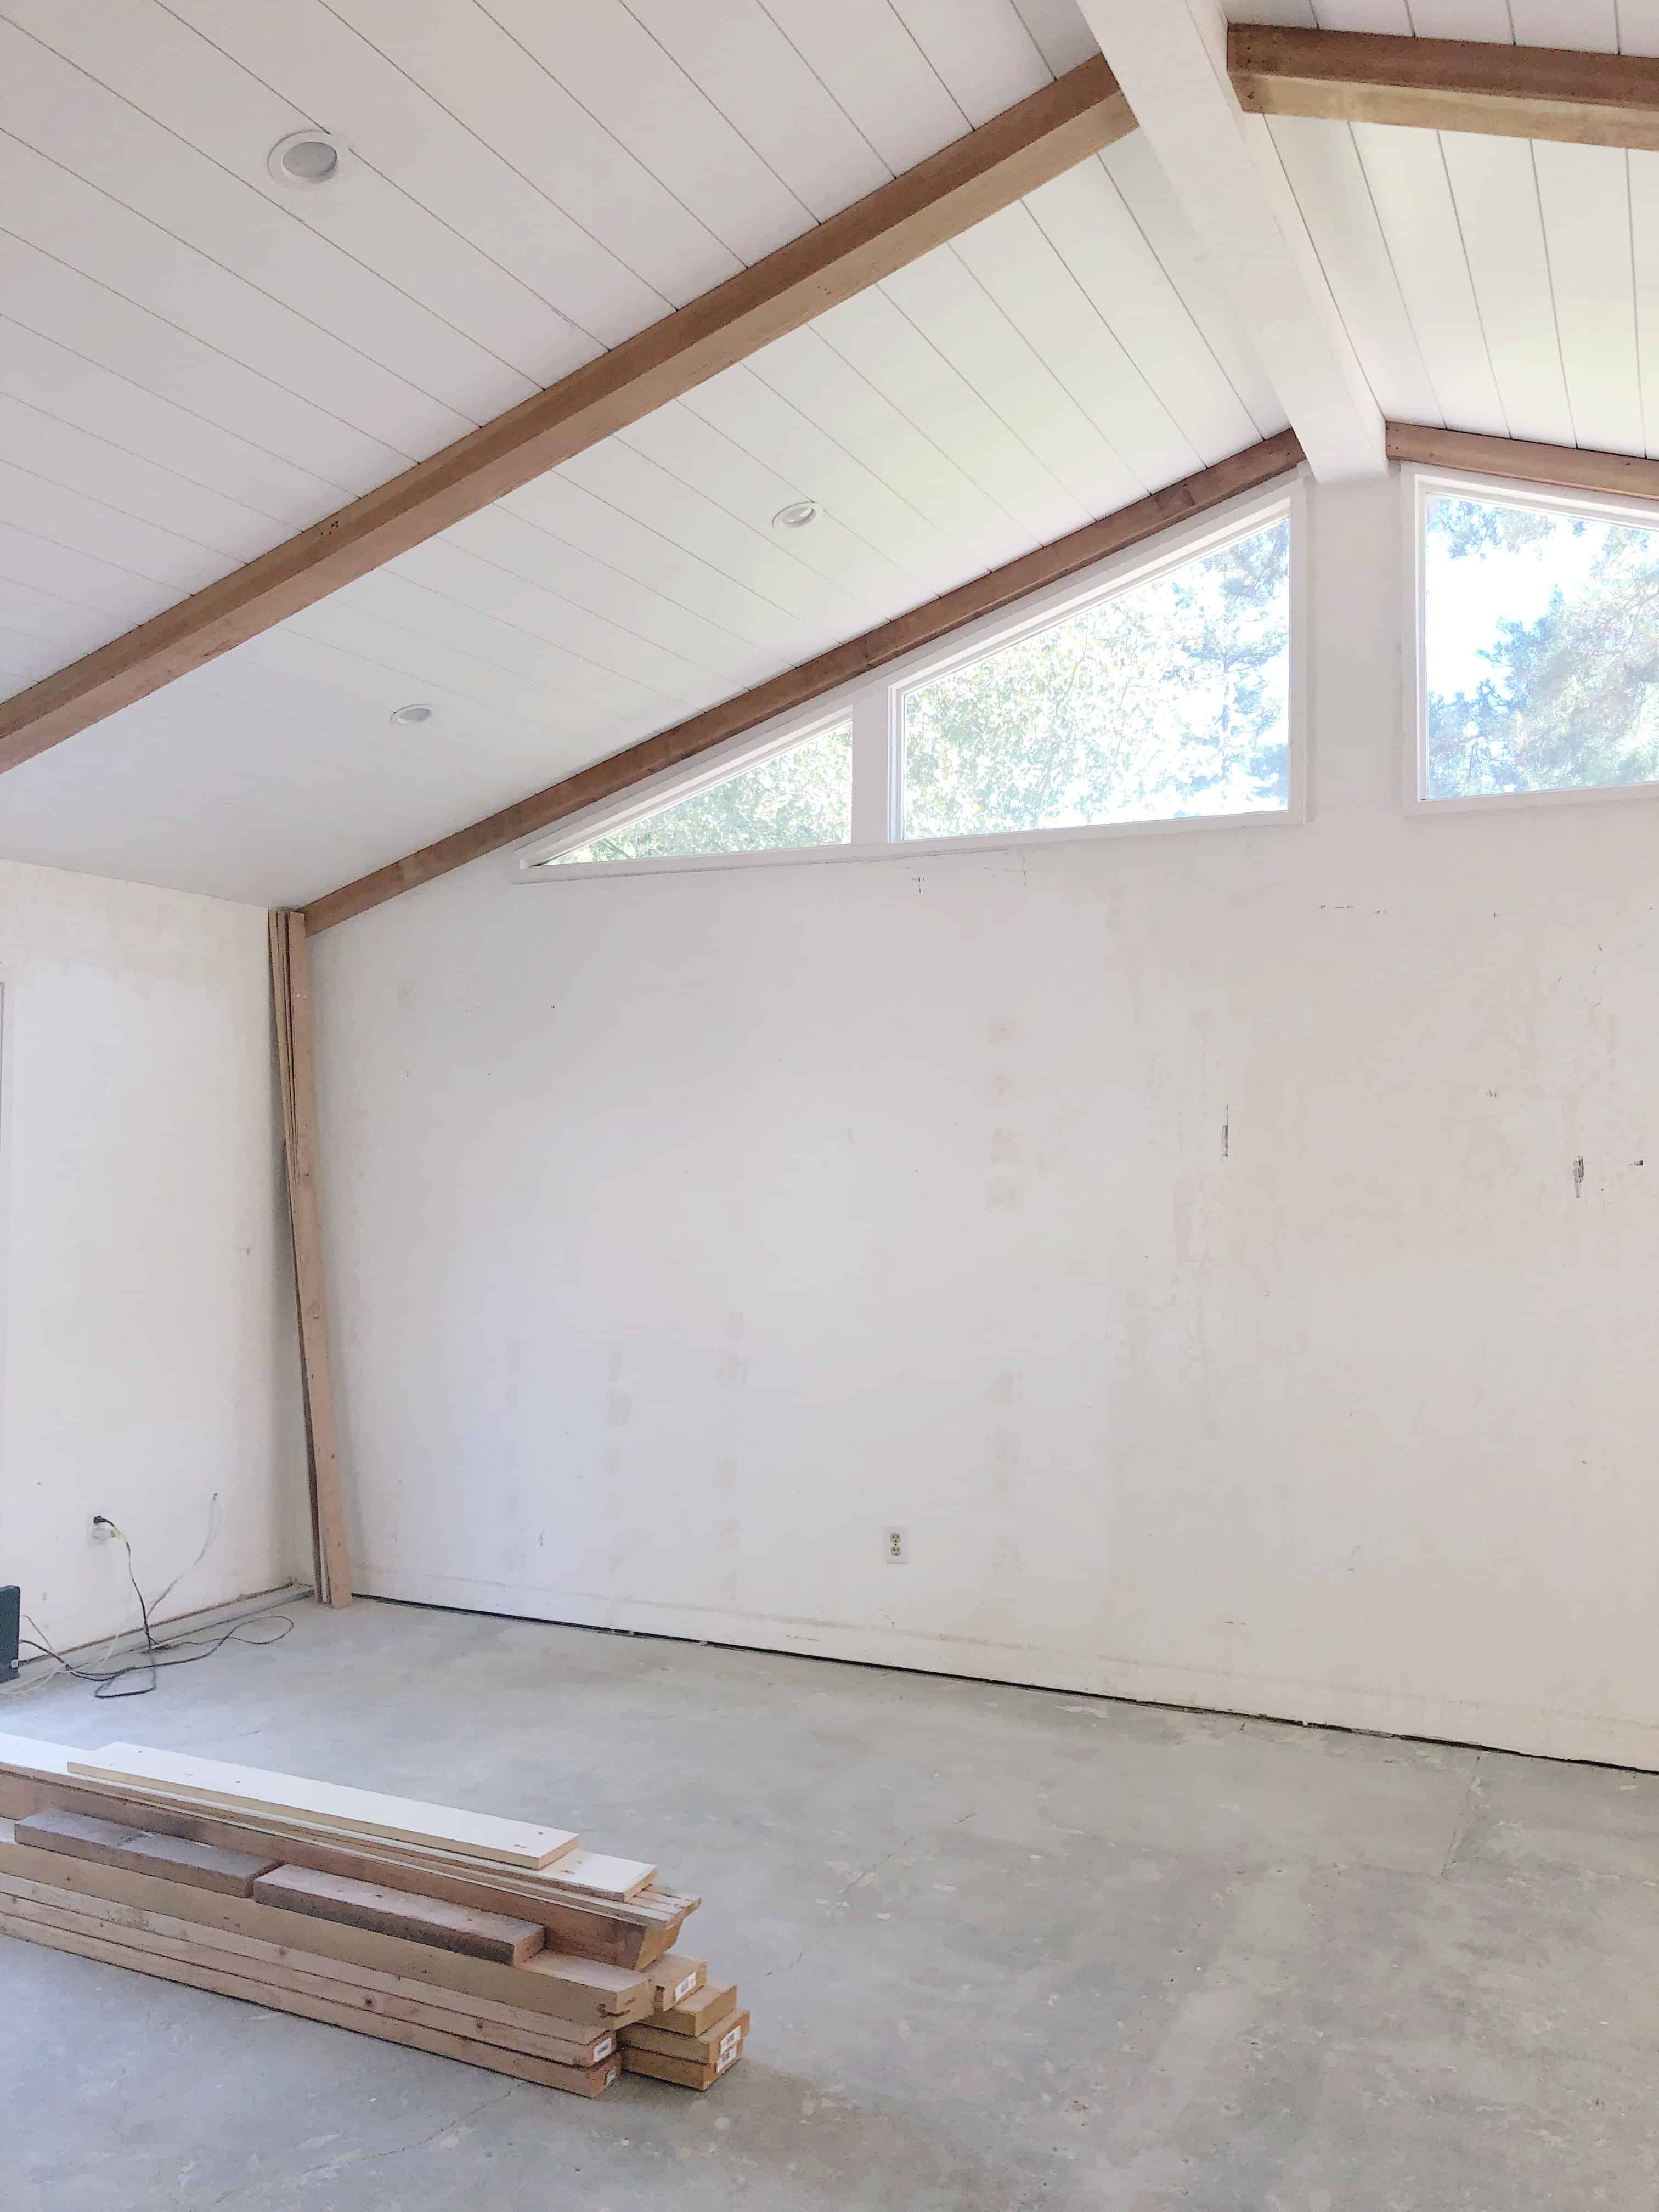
(1500, 91)
(826, 673)
(588, 2082)
(563, 1988)
(397, 1913)
(720, 2037)
(676, 2071)
(195, 1946)
(976, 175)
(629, 1937)
(676, 1979)
(572, 2042)
(199, 1866)
(698, 2015)
(250, 1790)
(290, 985)
(1567, 468)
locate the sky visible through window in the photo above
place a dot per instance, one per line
(1543, 650)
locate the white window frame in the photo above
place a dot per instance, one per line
(872, 705)
(1419, 486)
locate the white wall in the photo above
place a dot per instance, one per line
(686, 1232)
(147, 1322)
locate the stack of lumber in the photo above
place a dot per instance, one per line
(502, 1943)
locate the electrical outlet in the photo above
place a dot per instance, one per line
(896, 1546)
(99, 1529)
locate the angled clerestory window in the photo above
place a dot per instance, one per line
(802, 796)
(1169, 699)
(1539, 646)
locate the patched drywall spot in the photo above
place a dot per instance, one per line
(1004, 1146)
(736, 1324)
(617, 1407)
(734, 1368)
(1002, 1196)
(726, 1476)
(1578, 1176)
(615, 1369)
(1003, 1388)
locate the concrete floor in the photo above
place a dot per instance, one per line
(1005, 1948)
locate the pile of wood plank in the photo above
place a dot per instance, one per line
(498, 1942)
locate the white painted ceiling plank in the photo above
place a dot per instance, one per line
(1057, 28)
(1221, 167)
(48, 377)
(575, 659)
(559, 505)
(1644, 238)
(1323, 166)
(43, 295)
(1013, 259)
(58, 213)
(866, 59)
(800, 406)
(141, 51)
(32, 612)
(1486, 22)
(1391, 17)
(64, 455)
(690, 448)
(1407, 174)
(1591, 26)
(90, 525)
(742, 61)
(331, 299)
(949, 305)
(1638, 27)
(80, 579)
(1496, 191)
(609, 61)
(631, 481)
(504, 565)
(1133, 169)
(984, 56)
(1584, 194)
(337, 79)
(462, 56)
(1084, 216)
(884, 347)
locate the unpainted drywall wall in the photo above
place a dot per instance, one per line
(1228, 1257)
(146, 1297)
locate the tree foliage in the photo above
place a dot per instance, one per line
(802, 797)
(1573, 696)
(1167, 700)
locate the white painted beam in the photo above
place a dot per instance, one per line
(1171, 58)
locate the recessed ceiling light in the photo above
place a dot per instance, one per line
(406, 717)
(796, 515)
(304, 157)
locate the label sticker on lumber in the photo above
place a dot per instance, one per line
(726, 2058)
(683, 1989)
(604, 2048)
(727, 2041)
(365, 1812)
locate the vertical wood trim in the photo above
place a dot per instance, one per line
(296, 1065)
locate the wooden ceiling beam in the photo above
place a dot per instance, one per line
(799, 687)
(1447, 84)
(1563, 468)
(975, 177)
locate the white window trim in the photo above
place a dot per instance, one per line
(871, 704)
(1419, 485)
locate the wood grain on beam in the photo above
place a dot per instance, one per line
(975, 177)
(799, 687)
(1447, 84)
(1565, 468)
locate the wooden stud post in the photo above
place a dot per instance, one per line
(296, 1065)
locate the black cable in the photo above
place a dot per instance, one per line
(157, 1651)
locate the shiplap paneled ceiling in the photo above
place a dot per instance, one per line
(195, 361)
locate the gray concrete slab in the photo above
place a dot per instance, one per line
(1004, 1949)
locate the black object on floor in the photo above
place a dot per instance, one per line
(11, 1600)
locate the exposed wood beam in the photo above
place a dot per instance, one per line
(1447, 84)
(1223, 169)
(1565, 468)
(975, 177)
(842, 663)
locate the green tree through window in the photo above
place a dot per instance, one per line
(1169, 699)
(801, 797)
(1543, 650)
